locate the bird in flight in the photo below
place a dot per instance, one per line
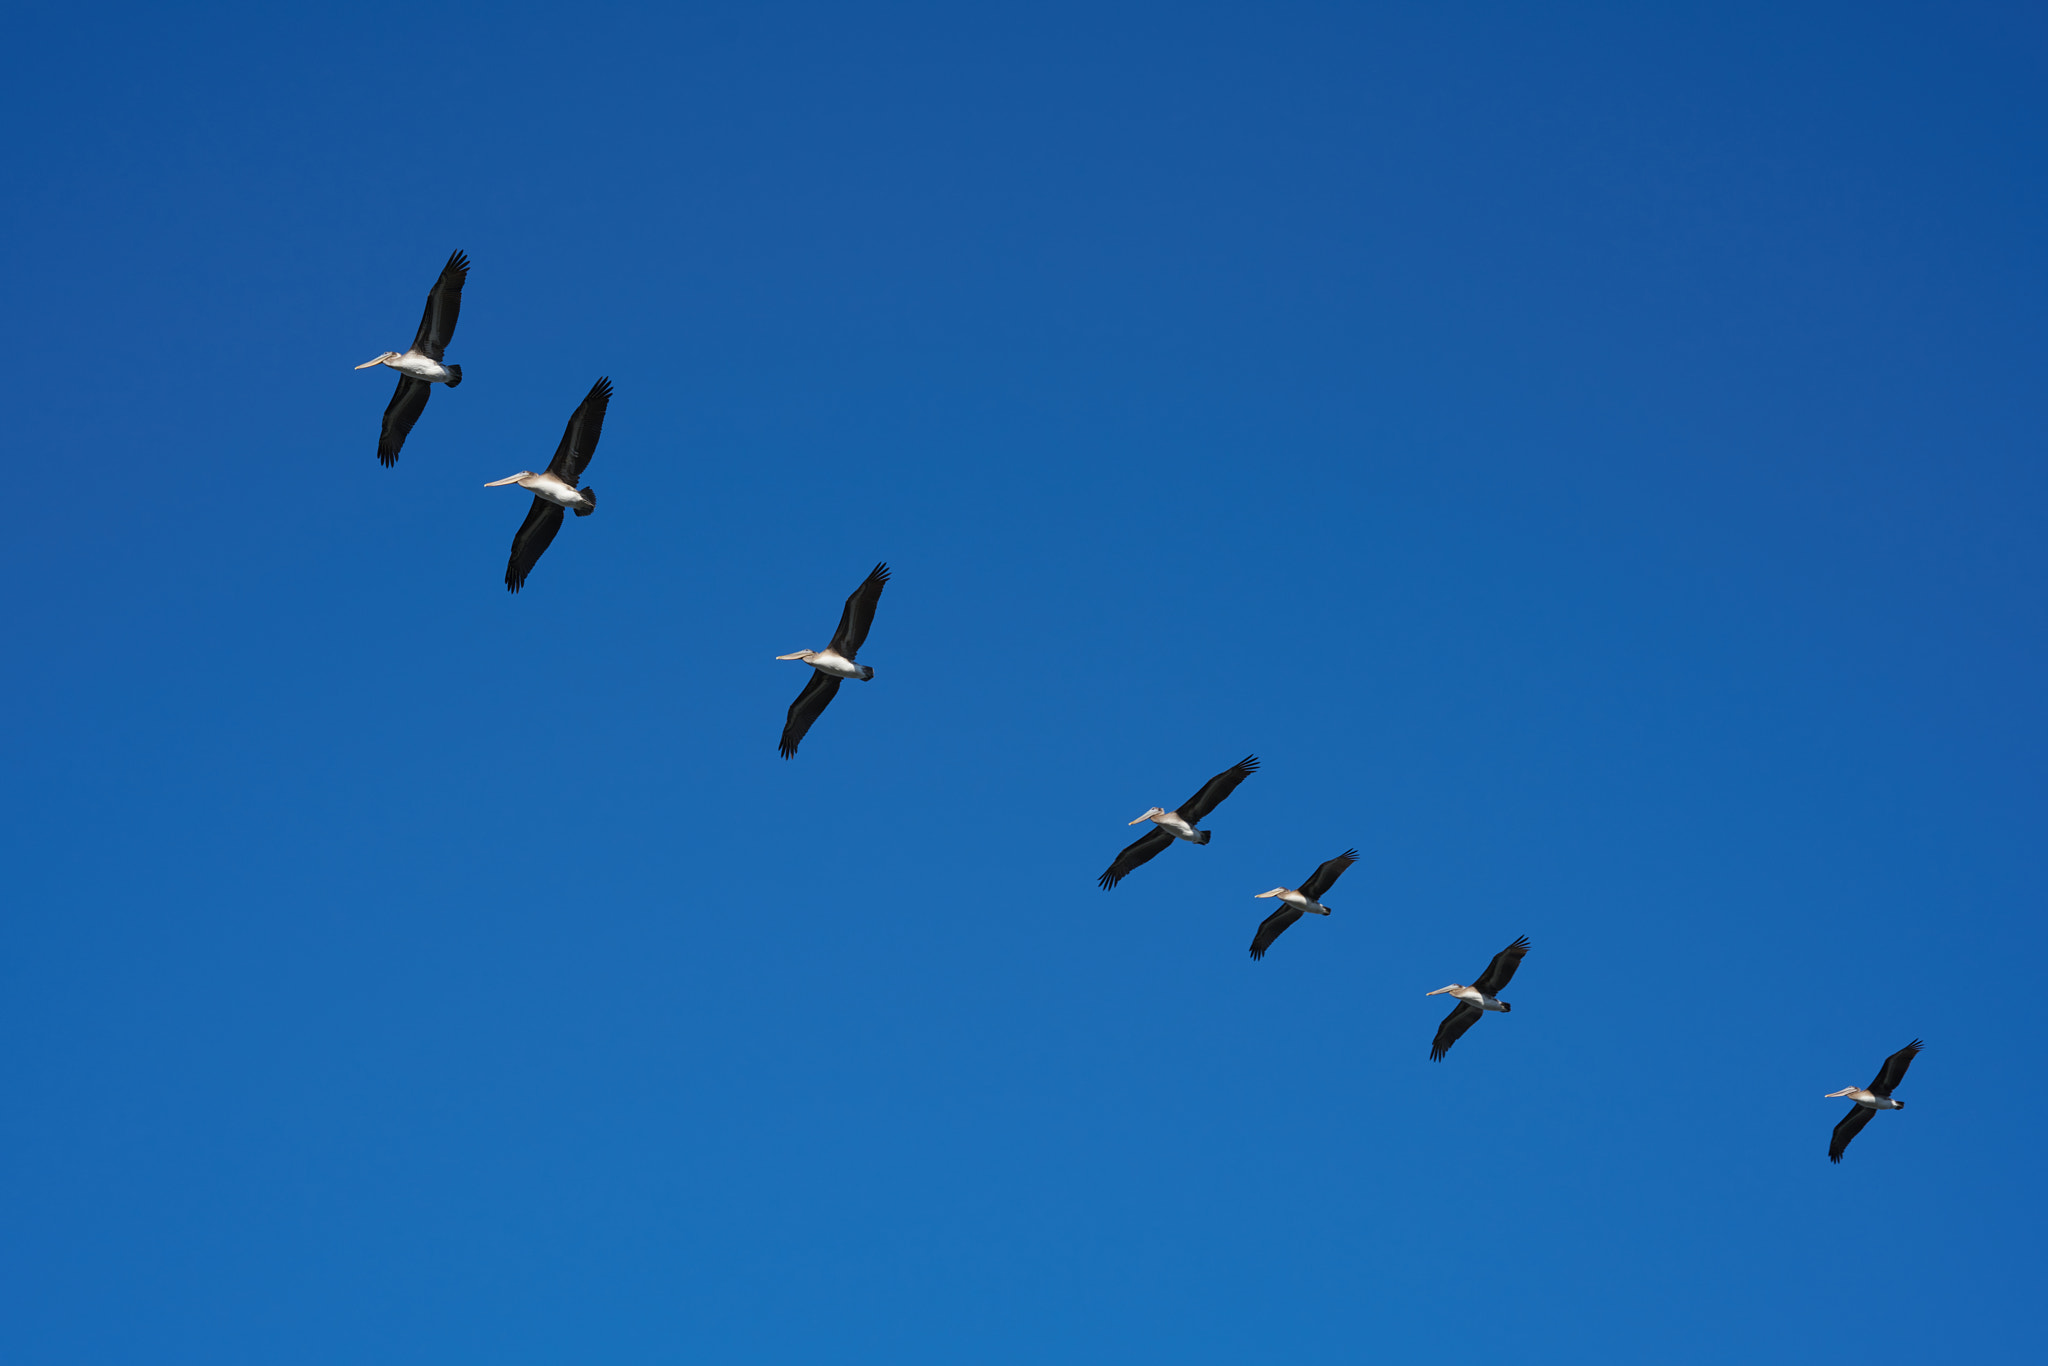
(555, 487)
(1870, 1099)
(1179, 823)
(835, 663)
(1296, 902)
(420, 368)
(1483, 995)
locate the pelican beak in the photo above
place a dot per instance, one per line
(798, 655)
(368, 363)
(1140, 821)
(1261, 896)
(508, 479)
(1836, 1095)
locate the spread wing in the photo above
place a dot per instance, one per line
(444, 303)
(859, 613)
(579, 438)
(536, 534)
(1271, 928)
(1462, 1017)
(1851, 1125)
(408, 401)
(1323, 878)
(1143, 850)
(810, 704)
(1894, 1070)
(1216, 789)
(1501, 970)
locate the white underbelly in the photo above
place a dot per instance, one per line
(423, 367)
(834, 663)
(555, 491)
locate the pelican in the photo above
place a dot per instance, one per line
(555, 487)
(1482, 995)
(834, 663)
(1872, 1098)
(1296, 902)
(421, 366)
(1178, 824)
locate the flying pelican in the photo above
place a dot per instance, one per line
(555, 487)
(1872, 1098)
(421, 367)
(835, 661)
(1482, 995)
(1178, 824)
(1294, 903)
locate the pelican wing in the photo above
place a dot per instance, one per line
(1272, 927)
(1323, 878)
(1851, 1125)
(579, 438)
(859, 613)
(1501, 970)
(1142, 850)
(444, 303)
(1216, 789)
(810, 704)
(1894, 1070)
(536, 534)
(1462, 1017)
(408, 401)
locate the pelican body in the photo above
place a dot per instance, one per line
(1870, 1099)
(421, 364)
(1296, 902)
(835, 663)
(830, 661)
(554, 488)
(551, 486)
(1474, 1000)
(1178, 824)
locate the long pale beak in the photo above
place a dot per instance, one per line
(508, 479)
(368, 363)
(1836, 1095)
(1140, 821)
(1261, 896)
(798, 655)
(1441, 990)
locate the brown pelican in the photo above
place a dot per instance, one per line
(1178, 824)
(555, 487)
(1296, 902)
(421, 367)
(1482, 995)
(1872, 1098)
(835, 661)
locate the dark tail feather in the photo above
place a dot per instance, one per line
(454, 375)
(1201, 837)
(1505, 1008)
(589, 498)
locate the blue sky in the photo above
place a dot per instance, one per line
(1591, 453)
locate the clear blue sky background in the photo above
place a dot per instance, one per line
(1592, 453)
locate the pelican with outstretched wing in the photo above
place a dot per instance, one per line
(420, 367)
(1870, 1099)
(1473, 1001)
(835, 663)
(554, 488)
(1179, 823)
(1295, 902)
